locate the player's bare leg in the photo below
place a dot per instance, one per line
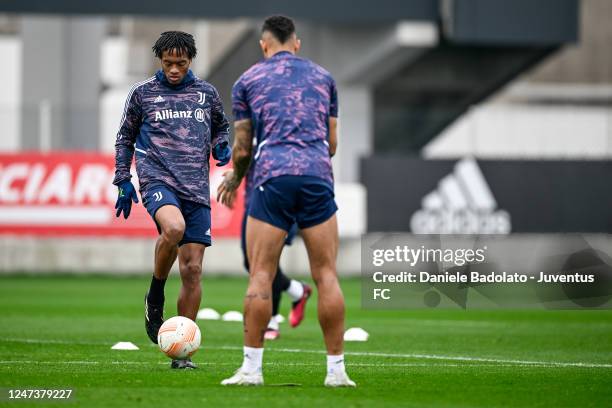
(264, 246)
(190, 267)
(322, 245)
(172, 226)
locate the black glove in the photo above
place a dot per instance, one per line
(127, 194)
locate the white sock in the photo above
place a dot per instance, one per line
(253, 359)
(295, 290)
(273, 324)
(335, 364)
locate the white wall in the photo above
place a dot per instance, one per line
(517, 131)
(120, 255)
(114, 72)
(114, 61)
(112, 103)
(10, 97)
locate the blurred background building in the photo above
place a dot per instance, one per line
(456, 116)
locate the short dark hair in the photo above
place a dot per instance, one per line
(281, 27)
(177, 41)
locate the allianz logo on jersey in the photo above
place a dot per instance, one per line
(166, 114)
(461, 204)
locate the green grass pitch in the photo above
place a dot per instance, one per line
(56, 332)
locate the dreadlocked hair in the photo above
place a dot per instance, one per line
(177, 42)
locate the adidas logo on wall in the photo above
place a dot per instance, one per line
(461, 204)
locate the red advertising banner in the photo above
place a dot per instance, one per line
(70, 193)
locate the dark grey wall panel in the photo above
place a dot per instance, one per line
(319, 10)
(539, 196)
(516, 22)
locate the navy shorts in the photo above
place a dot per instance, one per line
(287, 200)
(196, 215)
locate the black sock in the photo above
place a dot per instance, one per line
(281, 280)
(156, 291)
(279, 285)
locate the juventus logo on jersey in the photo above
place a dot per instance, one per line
(158, 195)
(202, 97)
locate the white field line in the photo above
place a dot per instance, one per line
(284, 364)
(440, 357)
(51, 341)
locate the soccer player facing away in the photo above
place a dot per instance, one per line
(289, 105)
(172, 122)
(299, 292)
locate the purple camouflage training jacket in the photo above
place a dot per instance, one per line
(172, 129)
(289, 101)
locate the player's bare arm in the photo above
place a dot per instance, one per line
(241, 158)
(333, 136)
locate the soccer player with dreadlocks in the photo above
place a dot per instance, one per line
(172, 122)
